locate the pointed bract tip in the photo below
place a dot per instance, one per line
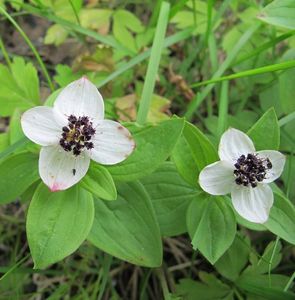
(55, 187)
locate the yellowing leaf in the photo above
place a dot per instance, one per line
(55, 35)
(126, 108)
(98, 19)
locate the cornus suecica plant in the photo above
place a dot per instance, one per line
(245, 174)
(73, 132)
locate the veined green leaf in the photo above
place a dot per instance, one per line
(99, 182)
(170, 196)
(192, 153)
(127, 228)
(265, 133)
(57, 223)
(153, 146)
(212, 225)
(279, 13)
(17, 173)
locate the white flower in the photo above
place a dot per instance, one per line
(244, 173)
(73, 132)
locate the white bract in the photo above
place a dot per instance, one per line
(244, 173)
(73, 132)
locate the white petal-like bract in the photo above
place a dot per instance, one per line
(113, 143)
(217, 178)
(233, 144)
(80, 98)
(39, 126)
(253, 204)
(59, 169)
(277, 160)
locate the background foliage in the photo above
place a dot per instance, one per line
(216, 63)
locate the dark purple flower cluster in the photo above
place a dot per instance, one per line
(251, 169)
(77, 135)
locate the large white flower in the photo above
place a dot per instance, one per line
(73, 132)
(244, 173)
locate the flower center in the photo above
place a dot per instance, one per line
(251, 169)
(77, 135)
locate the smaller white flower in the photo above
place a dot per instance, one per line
(244, 173)
(73, 132)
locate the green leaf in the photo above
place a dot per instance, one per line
(282, 219)
(265, 133)
(127, 228)
(170, 196)
(259, 286)
(55, 35)
(17, 173)
(95, 18)
(153, 146)
(189, 289)
(268, 257)
(192, 153)
(125, 23)
(57, 223)
(17, 90)
(279, 13)
(28, 194)
(212, 225)
(4, 141)
(197, 18)
(232, 262)
(15, 129)
(99, 182)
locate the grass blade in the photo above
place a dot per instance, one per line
(232, 55)
(173, 39)
(154, 62)
(285, 120)
(276, 67)
(223, 108)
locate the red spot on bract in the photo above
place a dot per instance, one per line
(55, 187)
(120, 127)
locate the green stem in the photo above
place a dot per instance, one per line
(27, 40)
(271, 259)
(227, 62)
(107, 261)
(154, 62)
(223, 108)
(5, 54)
(163, 283)
(289, 282)
(15, 266)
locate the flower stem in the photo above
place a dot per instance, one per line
(154, 62)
